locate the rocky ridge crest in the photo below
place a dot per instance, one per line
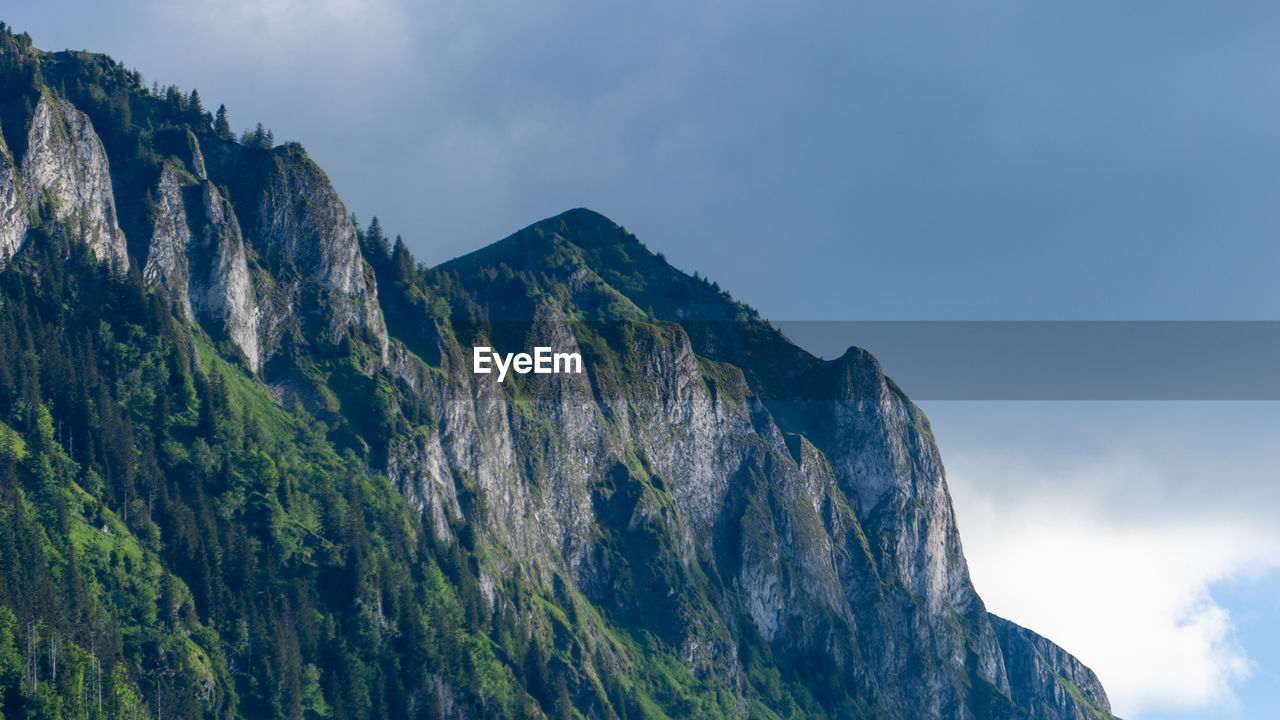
(705, 480)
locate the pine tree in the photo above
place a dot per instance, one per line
(221, 126)
(537, 683)
(176, 100)
(259, 138)
(402, 262)
(562, 707)
(195, 111)
(377, 247)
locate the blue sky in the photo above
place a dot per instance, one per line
(906, 160)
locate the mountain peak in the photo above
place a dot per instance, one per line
(550, 242)
(670, 530)
(582, 217)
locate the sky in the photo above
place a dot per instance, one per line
(1139, 535)
(861, 161)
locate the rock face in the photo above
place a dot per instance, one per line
(167, 257)
(13, 209)
(884, 458)
(198, 255)
(1047, 680)
(308, 242)
(65, 172)
(704, 482)
(227, 293)
(681, 489)
(314, 277)
(310, 277)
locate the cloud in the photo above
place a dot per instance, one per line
(1135, 605)
(315, 25)
(1086, 161)
(1105, 528)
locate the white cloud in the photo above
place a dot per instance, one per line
(1106, 542)
(1132, 604)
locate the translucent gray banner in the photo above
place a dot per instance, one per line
(1068, 360)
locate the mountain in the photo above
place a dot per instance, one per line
(247, 468)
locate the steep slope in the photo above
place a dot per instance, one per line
(305, 243)
(258, 477)
(241, 234)
(204, 240)
(1047, 681)
(859, 534)
(63, 178)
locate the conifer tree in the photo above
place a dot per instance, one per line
(195, 110)
(377, 247)
(221, 126)
(402, 261)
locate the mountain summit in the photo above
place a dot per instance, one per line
(248, 470)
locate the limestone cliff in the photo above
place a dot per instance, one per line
(278, 255)
(306, 276)
(703, 471)
(706, 500)
(308, 242)
(64, 179)
(198, 255)
(1047, 680)
(65, 173)
(13, 208)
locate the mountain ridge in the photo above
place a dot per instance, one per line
(709, 522)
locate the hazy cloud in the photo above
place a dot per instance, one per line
(1136, 605)
(912, 160)
(1106, 526)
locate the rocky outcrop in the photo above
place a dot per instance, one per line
(308, 240)
(196, 157)
(419, 468)
(315, 279)
(167, 263)
(883, 456)
(227, 293)
(676, 485)
(198, 255)
(13, 208)
(741, 521)
(680, 494)
(65, 175)
(1046, 680)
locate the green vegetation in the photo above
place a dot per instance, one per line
(178, 544)
(184, 537)
(1089, 704)
(208, 553)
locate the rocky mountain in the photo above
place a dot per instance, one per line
(64, 180)
(249, 469)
